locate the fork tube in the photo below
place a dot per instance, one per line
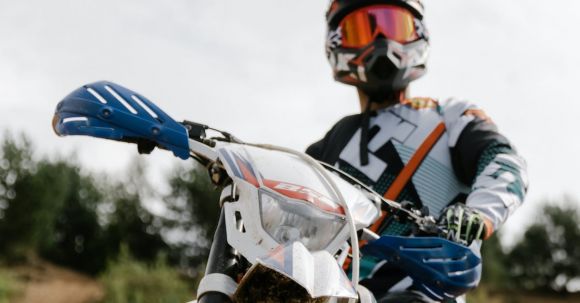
(221, 259)
(221, 255)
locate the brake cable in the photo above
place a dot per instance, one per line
(426, 224)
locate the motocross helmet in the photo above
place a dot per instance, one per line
(379, 46)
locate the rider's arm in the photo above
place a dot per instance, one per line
(338, 135)
(486, 160)
(499, 186)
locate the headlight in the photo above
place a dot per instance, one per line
(289, 220)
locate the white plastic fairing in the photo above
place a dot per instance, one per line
(316, 272)
(252, 241)
(292, 177)
(256, 170)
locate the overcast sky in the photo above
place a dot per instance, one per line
(257, 69)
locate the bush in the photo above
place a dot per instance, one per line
(129, 281)
(547, 258)
(31, 195)
(8, 286)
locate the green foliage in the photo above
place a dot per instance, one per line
(98, 217)
(193, 213)
(494, 272)
(9, 286)
(547, 258)
(132, 224)
(129, 281)
(79, 241)
(479, 295)
(31, 194)
(129, 222)
(50, 208)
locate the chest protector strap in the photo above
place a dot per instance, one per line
(409, 170)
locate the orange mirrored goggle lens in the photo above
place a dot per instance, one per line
(361, 26)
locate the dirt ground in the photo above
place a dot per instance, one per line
(536, 299)
(47, 283)
(481, 295)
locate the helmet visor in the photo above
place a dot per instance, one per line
(361, 26)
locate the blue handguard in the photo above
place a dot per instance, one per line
(439, 268)
(107, 110)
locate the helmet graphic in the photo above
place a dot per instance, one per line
(379, 46)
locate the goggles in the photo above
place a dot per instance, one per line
(361, 27)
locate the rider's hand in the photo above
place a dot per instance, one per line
(463, 224)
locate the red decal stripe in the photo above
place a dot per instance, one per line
(306, 194)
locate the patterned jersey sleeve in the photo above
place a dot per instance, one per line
(485, 160)
(338, 135)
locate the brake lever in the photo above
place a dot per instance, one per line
(425, 224)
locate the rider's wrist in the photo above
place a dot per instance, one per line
(488, 230)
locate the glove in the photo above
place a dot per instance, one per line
(463, 224)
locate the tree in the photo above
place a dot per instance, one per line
(97, 218)
(494, 273)
(79, 240)
(547, 258)
(51, 209)
(193, 213)
(129, 222)
(31, 195)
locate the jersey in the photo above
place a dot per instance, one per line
(469, 161)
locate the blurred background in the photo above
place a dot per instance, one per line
(85, 220)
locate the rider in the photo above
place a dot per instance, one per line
(446, 157)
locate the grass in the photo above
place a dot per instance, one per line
(9, 286)
(485, 295)
(129, 281)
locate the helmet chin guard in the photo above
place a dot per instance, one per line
(381, 67)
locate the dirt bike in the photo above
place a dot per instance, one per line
(287, 221)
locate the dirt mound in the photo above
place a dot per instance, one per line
(47, 283)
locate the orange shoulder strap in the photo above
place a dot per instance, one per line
(404, 177)
(409, 170)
